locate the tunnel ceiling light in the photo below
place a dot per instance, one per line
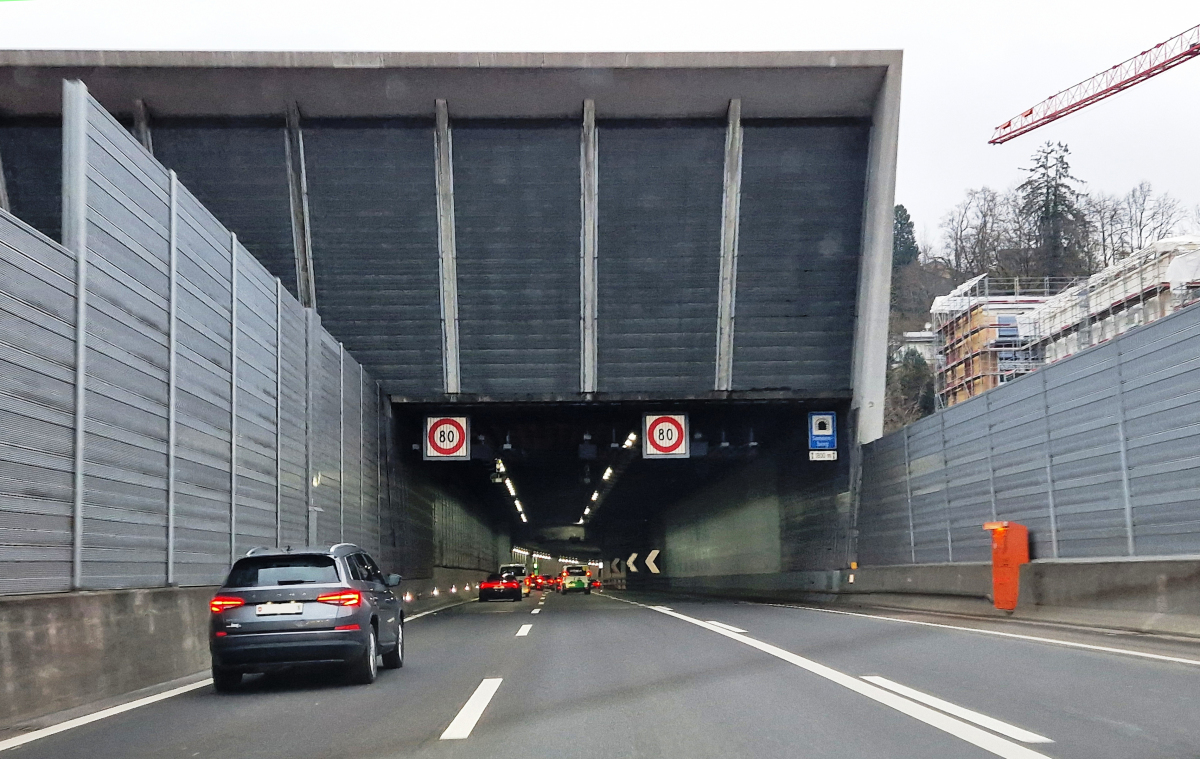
(595, 495)
(518, 505)
(587, 510)
(629, 441)
(523, 519)
(500, 466)
(520, 551)
(607, 474)
(512, 489)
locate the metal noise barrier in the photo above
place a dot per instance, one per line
(1096, 454)
(165, 405)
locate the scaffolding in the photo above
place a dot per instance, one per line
(991, 330)
(980, 343)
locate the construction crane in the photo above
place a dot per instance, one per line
(1162, 57)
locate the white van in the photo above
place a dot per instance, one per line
(518, 571)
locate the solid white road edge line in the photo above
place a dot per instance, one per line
(21, 740)
(995, 725)
(959, 729)
(523, 631)
(465, 721)
(435, 611)
(998, 633)
(724, 626)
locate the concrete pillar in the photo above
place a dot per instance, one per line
(869, 367)
(306, 288)
(141, 125)
(5, 205)
(588, 288)
(74, 232)
(447, 268)
(730, 218)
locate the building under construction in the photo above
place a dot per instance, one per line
(991, 330)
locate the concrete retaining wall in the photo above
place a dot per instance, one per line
(1160, 595)
(63, 650)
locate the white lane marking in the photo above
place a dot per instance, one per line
(464, 723)
(999, 634)
(21, 740)
(959, 729)
(435, 611)
(995, 725)
(524, 631)
(535, 611)
(724, 626)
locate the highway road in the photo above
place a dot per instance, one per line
(637, 675)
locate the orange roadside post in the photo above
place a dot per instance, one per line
(1010, 549)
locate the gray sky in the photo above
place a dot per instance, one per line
(968, 65)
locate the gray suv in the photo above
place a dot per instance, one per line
(280, 608)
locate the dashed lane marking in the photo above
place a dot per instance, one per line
(535, 611)
(991, 723)
(524, 631)
(971, 734)
(465, 721)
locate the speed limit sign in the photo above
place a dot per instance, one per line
(665, 436)
(447, 438)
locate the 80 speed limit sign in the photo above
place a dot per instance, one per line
(665, 436)
(447, 438)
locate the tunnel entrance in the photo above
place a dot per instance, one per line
(571, 478)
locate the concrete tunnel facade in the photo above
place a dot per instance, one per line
(552, 246)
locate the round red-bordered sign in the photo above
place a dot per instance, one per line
(652, 438)
(459, 443)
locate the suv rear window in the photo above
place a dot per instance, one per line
(257, 571)
(576, 571)
(513, 569)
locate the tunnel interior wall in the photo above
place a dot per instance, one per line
(1097, 454)
(767, 519)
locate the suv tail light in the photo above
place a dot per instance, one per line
(220, 603)
(511, 585)
(488, 585)
(342, 598)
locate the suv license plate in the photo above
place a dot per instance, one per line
(268, 609)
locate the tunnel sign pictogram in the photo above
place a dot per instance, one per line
(665, 436)
(447, 438)
(822, 436)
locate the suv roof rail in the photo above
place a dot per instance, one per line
(259, 549)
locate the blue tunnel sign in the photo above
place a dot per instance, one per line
(822, 436)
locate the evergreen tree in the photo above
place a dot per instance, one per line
(904, 240)
(1050, 202)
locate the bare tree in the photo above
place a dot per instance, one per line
(1110, 236)
(1149, 218)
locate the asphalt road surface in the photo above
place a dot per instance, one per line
(632, 675)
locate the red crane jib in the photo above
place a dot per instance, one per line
(1162, 57)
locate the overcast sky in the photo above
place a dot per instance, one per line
(968, 65)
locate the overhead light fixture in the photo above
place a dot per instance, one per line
(629, 441)
(518, 505)
(500, 466)
(512, 489)
(607, 474)
(507, 444)
(523, 519)
(596, 495)
(587, 510)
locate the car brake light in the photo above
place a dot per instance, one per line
(221, 603)
(589, 573)
(511, 585)
(341, 598)
(346, 628)
(221, 634)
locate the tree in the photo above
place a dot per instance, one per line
(1148, 218)
(910, 393)
(904, 240)
(1050, 200)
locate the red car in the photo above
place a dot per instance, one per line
(500, 586)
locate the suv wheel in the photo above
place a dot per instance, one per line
(394, 659)
(364, 669)
(225, 680)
